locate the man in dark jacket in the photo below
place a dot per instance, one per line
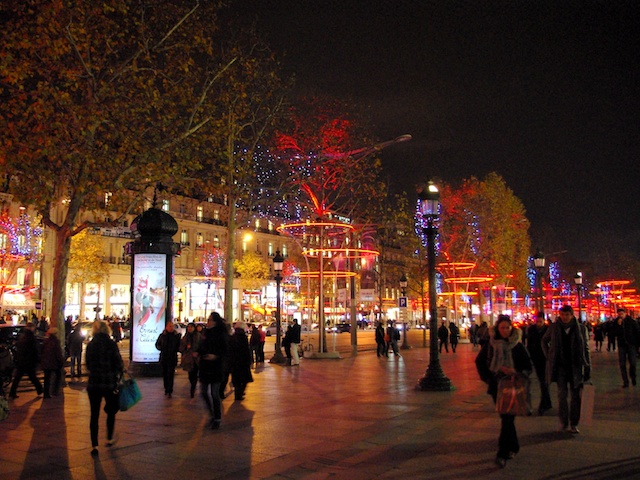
(443, 337)
(568, 363)
(628, 338)
(535, 333)
(26, 360)
(75, 341)
(212, 353)
(169, 344)
(295, 343)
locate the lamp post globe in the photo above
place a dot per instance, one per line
(578, 281)
(434, 379)
(539, 262)
(278, 263)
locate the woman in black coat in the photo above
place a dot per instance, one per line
(240, 360)
(503, 355)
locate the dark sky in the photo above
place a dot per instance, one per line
(545, 94)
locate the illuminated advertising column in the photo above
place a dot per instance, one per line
(152, 269)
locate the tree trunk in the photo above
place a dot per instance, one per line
(231, 256)
(60, 271)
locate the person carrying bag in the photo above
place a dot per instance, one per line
(501, 364)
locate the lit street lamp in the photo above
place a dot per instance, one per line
(434, 379)
(403, 310)
(278, 262)
(578, 280)
(538, 263)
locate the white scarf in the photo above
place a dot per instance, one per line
(502, 348)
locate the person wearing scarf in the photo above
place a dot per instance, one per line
(504, 354)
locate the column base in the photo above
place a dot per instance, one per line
(434, 380)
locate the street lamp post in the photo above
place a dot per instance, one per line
(278, 261)
(180, 305)
(578, 280)
(434, 379)
(403, 311)
(538, 263)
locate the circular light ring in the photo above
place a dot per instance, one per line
(329, 274)
(299, 229)
(613, 283)
(457, 280)
(346, 252)
(506, 287)
(619, 292)
(457, 265)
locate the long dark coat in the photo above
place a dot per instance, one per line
(580, 359)
(240, 357)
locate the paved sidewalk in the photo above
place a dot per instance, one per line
(357, 418)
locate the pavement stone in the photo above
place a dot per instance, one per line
(359, 417)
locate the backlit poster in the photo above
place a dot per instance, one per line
(149, 297)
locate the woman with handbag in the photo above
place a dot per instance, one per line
(189, 346)
(105, 368)
(502, 356)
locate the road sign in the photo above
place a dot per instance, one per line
(38, 305)
(402, 302)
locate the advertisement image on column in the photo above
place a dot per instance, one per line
(149, 305)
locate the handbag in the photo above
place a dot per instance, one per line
(514, 396)
(128, 392)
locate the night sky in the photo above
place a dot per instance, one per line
(545, 94)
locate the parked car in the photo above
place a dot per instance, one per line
(339, 328)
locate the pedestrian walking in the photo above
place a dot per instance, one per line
(454, 334)
(168, 343)
(628, 338)
(240, 360)
(105, 369)
(26, 359)
(610, 331)
(51, 362)
(539, 360)
(568, 364)
(598, 336)
(214, 347)
(75, 343)
(393, 335)
(443, 337)
(381, 349)
(286, 343)
(482, 333)
(189, 346)
(263, 340)
(296, 332)
(503, 354)
(254, 342)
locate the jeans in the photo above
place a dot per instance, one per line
(47, 382)
(111, 407)
(627, 352)
(193, 379)
(76, 369)
(168, 374)
(31, 372)
(295, 357)
(211, 395)
(545, 398)
(508, 441)
(568, 412)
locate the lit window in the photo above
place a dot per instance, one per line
(270, 226)
(184, 237)
(165, 205)
(107, 198)
(199, 213)
(216, 214)
(21, 273)
(216, 241)
(284, 251)
(270, 247)
(199, 240)
(257, 224)
(36, 277)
